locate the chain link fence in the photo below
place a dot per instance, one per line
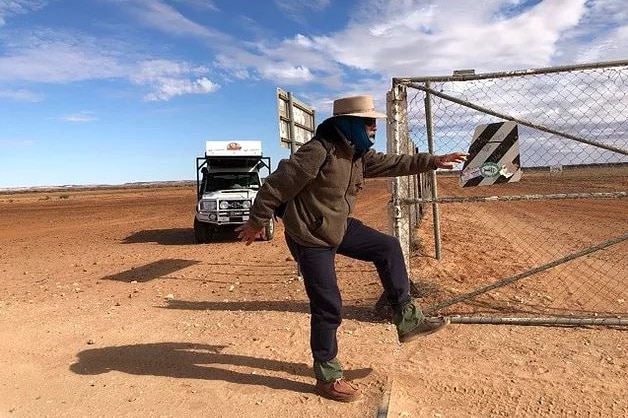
(549, 248)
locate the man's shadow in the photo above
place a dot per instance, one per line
(196, 361)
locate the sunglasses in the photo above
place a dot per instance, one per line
(370, 121)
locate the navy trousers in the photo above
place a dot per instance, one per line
(317, 268)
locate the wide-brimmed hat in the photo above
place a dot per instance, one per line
(357, 106)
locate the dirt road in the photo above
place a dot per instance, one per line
(109, 309)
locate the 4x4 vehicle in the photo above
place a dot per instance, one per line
(227, 180)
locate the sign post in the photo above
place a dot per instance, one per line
(296, 121)
(296, 125)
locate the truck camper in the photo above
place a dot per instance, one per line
(228, 178)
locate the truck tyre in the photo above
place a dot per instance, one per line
(203, 232)
(269, 229)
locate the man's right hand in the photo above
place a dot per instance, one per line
(249, 233)
(448, 160)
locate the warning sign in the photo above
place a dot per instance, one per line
(493, 156)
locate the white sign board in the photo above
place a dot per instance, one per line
(296, 120)
(493, 156)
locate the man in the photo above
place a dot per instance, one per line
(318, 186)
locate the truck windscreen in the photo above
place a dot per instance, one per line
(231, 181)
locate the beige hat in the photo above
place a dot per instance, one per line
(357, 106)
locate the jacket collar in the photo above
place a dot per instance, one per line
(330, 132)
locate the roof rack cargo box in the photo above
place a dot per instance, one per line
(233, 148)
(232, 154)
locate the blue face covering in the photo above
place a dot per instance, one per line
(354, 129)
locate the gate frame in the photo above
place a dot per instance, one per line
(403, 196)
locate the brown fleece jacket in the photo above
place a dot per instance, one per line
(321, 185)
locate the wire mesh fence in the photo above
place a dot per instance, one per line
(549, 246)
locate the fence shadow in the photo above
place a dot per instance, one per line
(360, 312)
(195, 361)
(151, 271)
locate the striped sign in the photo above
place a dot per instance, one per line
(493, 156)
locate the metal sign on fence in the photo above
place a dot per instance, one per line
(296, 120)
(493, 156)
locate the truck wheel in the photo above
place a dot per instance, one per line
(202, 232)
(269, 229)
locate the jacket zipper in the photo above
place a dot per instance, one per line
(347, 189)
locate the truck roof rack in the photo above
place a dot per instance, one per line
(231, 161)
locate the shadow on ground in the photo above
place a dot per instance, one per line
(176, 236)
(151, 271)
(196, 361)
(171, 236)
(365, 311)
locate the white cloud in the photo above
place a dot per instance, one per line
(287, 73)
(54, 57)
(297, 10)
(383, 39)
(200, 4)
(57, 57)
(159, 15)
(426, 37)
(239, 59)
(388, 39)
(16, 142)
(21, 95)
(168, 79)
(433, 37)
(166, 89)
(83, 116)
(600, 36)
(9, 8)
(410, 38)
(605, 48)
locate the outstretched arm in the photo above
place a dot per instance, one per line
(378, 164)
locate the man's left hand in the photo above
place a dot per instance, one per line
(448, 160)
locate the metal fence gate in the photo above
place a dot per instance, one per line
(548, 249)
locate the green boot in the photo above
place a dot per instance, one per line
(406, 318)
(411, 323)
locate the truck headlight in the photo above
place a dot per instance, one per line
(224, 205)
(246, 204)
(207, 205)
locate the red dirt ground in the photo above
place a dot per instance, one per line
(109, 309)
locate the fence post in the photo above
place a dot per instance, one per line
(432, 174)
(395, 144)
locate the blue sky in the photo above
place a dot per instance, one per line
(116, 91)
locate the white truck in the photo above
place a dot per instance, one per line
(227, 180)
